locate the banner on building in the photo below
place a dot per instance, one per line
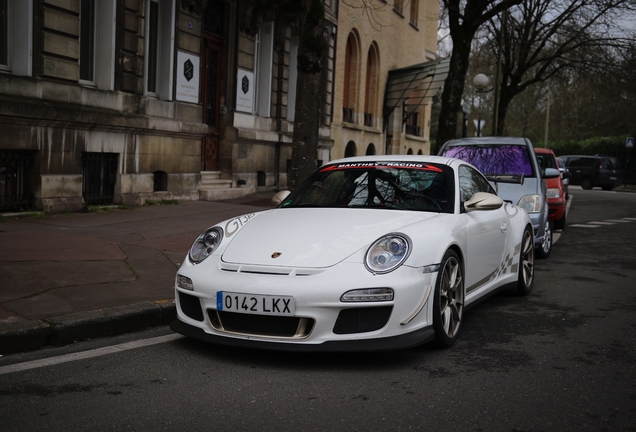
(187, 77)
(245, 91)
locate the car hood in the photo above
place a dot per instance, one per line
(313, 238)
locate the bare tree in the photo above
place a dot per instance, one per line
(465, 17)
(543, 38)
(312, 51)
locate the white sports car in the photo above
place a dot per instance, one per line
(369, 253)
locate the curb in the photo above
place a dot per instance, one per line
(35, 334)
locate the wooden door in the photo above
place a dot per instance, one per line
(212, 55)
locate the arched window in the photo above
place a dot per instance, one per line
(351, 150)
(370, 150)
(410, 152)
(371, 86)
(350, 79)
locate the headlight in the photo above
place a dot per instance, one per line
(205, 244)
(530, 203)
(387, 253)
(553, 193)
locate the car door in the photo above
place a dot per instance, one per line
(486, 233)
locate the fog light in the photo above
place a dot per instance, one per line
(185, 283)
(368, 295)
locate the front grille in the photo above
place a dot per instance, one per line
(261, 325)
(191, 306)
(362, 320)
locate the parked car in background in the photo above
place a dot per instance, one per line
(369, 253)
(565, 176)
(555, 191)
(510, 164)
(593, 171)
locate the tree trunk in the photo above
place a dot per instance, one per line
(453, 89)
(309, 94)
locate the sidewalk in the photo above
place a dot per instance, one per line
(69, 277)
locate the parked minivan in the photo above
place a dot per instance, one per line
(510, 165)
(593, 171)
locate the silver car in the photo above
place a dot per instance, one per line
(511, 166)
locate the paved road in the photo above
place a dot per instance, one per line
(563, 358)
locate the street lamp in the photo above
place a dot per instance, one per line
(481, 83)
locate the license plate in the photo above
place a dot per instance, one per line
(255, 303)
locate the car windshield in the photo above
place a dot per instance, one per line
(494, 159)
(385, 185)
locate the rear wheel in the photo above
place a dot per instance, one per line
(586, 183)
(448, 302)
(544, 250)
(525, 280)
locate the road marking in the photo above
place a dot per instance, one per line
(597, 224)
(87, 354)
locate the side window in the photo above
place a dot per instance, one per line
(16, 25)
(470, 182)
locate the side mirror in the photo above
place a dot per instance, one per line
(551, 173)
(280, 197)
(483, 201)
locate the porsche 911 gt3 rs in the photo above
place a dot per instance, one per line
(369, 253)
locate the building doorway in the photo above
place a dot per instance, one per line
(212, 55)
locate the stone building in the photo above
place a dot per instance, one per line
(387, 77)
(121, 101)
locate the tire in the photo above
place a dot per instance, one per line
(448, 301)
(560, 224)
(544, 250)
(525, 281)
(586, 183)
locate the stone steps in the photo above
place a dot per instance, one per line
(213, 188)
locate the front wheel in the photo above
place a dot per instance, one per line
(525, 281)
(448, 302)
(586, 183)
(544, 250)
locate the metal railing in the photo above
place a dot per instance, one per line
(99, 175)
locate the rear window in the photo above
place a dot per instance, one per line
(494, 159)
(611, 164)
(546, 160)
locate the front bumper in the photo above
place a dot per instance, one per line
(404, 341)
(322, 320)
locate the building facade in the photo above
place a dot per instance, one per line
(121, 101)
(389, 54)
